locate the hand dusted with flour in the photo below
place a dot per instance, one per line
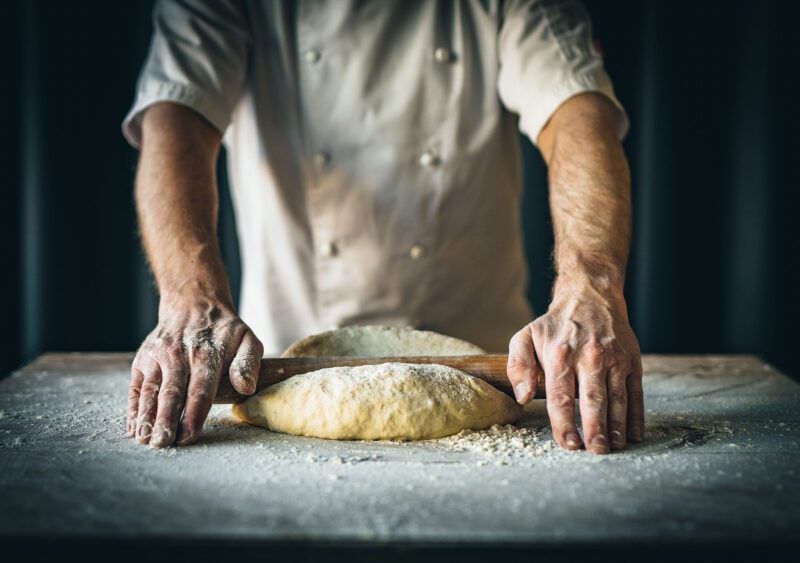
(384, 402)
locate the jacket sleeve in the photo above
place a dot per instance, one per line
(547, 55)
(198, 57)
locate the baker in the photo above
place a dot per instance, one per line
(376, 178)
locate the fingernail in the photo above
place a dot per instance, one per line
(161, 438)
(616, 439)
(185, 438)
(521, 391)
(130, 428)
(572, 440)
(600, 441)
(636, 434)
(143, 430)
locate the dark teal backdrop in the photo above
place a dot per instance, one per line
(709, 86)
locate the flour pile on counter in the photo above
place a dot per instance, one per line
(501, 443)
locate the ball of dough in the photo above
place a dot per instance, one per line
(380, 402)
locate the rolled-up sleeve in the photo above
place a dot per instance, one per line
(547, 55)
(198, 58)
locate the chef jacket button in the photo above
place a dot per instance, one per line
(328, 249)
(417, 251)
(312, 56)
(429, 159)
(442, 55)
(321, 159)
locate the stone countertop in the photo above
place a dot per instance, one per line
(720, 463)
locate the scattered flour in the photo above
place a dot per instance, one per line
(501, 443)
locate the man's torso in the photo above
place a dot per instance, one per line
(375, 173)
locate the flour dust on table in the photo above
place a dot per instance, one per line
(391, 401)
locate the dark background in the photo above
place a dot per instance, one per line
(709, 87)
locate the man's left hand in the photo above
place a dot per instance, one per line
(584, 342)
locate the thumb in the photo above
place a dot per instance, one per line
(523, 368)
(246, 364)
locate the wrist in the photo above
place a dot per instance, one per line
(576, 281)
(581, 285)
(193, 292)
(602, 275)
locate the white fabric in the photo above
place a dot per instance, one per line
(372, 149)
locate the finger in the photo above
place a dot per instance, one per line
(171, 398)
(617, 406)
(523, 368)
(246, 364)
(592, 379)
(560, 386)
(635, 425)
(134, 390)
(148, 402)
(205, 361)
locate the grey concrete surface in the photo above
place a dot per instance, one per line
(720, 463)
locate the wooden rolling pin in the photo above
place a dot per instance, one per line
(491, 368)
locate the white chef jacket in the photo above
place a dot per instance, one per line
(372, 149)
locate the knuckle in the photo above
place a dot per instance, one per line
(594, 397)
(150, 386)
(617, 394)
(512, 343)
(617, 357)
(133, 392)
(516, 363)
(170, 394)
(201, 354)
(144, 355)
(174, 354)
(136, 379)
(518, 339)
(200, 395)
(593, 354)
(202, 348)
(561, 400)
(560, 354)
(138, 360)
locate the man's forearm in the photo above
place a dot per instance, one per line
(590, 201)
(584, 341)
(199, 338)
(177, 202)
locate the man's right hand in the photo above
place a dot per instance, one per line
(199, 337)
(177, 369)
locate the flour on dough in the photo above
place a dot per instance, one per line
(381, 402)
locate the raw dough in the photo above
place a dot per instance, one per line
(382, 402)
(386, 401)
